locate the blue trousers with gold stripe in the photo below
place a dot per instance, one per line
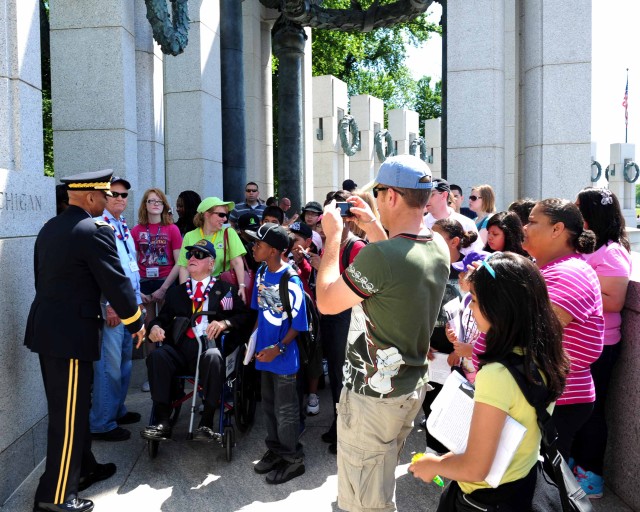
(67, 385)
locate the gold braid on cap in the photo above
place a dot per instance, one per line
(98, 185)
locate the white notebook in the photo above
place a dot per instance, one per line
(450, 420)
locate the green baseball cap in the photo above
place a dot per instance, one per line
(210, 202)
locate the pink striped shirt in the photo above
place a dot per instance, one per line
(573, 286)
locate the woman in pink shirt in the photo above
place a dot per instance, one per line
(158, 241)
(556, 238)
(612, 263)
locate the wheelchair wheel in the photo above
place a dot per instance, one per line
(228, 442)
(244, 397)
(152, 447)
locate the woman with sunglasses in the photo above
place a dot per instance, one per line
(213, 214)
(482, 201)
(612, 262)
(556, 238)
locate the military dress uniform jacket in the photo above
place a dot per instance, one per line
(178, 304)
(75, 261)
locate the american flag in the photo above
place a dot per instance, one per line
(625, 103)
(227, 302)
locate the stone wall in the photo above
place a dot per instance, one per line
(27, 200)
(623, 450)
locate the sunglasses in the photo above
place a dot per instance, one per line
(252, 190)
(222, 215)
(473, 198)
(375, 191)
(199, 255)
(123, 195)
(154, 201)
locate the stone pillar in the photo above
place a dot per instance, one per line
(626, 192)
(93, 87)
(308, 131)
(404, 127)
(556, 96)
(475, 94)
(149, 105)
(288, 46)
(369, 114)
(193, 107)
(27, 200)
(433, 138)
(258, 100)
(330, 163)
(234, 161)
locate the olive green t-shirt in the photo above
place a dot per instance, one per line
(402, 282)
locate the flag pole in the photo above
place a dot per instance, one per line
(626, 107)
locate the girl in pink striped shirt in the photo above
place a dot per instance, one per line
(612, 263)
(555, 237)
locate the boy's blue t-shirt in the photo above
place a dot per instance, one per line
(272, 327)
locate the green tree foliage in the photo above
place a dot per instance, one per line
(428, 101)
(45, 63)
(374, 62)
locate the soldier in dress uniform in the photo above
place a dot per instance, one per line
(75, 261)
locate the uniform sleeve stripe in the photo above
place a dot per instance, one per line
(131, 319)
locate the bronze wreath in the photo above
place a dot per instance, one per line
(413, 148)
(387, 150)
(348, 123)
(171, 33)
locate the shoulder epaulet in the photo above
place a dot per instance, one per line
(101, 223)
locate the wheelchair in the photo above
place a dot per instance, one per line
(237, 398)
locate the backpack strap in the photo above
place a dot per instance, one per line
(537, 396)
(284, 289)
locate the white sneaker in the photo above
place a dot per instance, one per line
(313, 404)
(145, 387)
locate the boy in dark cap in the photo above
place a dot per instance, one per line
(277, 354)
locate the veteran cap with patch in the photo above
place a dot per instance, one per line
(204, 246)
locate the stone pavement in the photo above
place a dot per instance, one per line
(196, 476)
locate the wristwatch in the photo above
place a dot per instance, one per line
(282, 347)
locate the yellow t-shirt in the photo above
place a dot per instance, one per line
(235, 248)
(495, 386)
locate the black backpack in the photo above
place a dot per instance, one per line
(346, 254)
(308, 341)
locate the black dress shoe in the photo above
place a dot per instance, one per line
(72, 505)
(159, 432)
(98, 473)
(115, 435)
(129, 418)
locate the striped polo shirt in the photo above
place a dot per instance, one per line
(573, 286)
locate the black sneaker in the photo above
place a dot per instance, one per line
(129, 418)
(329, 437)
(115, 435)
(285, 471)
(268, 461)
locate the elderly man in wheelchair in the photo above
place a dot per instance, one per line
(179, 350)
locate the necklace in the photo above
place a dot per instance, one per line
(122, 235)
(205, 294)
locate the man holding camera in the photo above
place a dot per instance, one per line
(394, 286)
